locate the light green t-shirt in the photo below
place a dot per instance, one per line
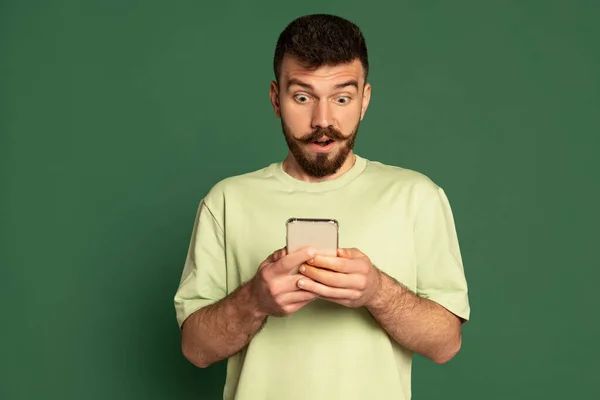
(399, 218)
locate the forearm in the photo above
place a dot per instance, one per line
(418, 324)
(220, 330)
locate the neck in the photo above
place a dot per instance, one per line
(292, 168)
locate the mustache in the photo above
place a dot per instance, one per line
(330, 132)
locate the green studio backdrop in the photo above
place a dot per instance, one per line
(118, 116)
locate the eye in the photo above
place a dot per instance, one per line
(343, 100)
(301, 98)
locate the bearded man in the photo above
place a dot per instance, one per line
(300, 325)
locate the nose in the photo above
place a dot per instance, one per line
(322, 115)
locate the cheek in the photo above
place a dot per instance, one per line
(348, 117)
(296, 118)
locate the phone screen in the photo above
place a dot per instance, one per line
(322, 234)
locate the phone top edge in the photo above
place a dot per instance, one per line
(330, 220)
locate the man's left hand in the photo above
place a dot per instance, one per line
(349, 279)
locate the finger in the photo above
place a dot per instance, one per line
(278, 254)
(331, 278)
(325, 291)
(296, 296)
(272, 256)
(349, 253)
(284, 284)
(332, 263)
(293, 260)
(292, 308)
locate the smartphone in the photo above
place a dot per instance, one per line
(322, 234)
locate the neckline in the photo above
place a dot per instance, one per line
(316, 187)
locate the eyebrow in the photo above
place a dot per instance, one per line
(351, 82)
(294, 81)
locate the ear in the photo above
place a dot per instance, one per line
(274, 93)
(365, 100)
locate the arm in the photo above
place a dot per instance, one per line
(415, 320)
(418, 324)
(217, 331)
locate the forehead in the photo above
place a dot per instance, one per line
(324, 75)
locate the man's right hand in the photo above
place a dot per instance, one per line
(275, 284)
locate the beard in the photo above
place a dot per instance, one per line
(321, 164)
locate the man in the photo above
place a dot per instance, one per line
(342, 327)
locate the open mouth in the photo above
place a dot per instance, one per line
(323, 142)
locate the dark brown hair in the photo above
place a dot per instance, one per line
(321, 39)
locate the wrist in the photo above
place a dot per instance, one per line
(384, 292)
(251, 301)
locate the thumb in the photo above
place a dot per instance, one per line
(294, 260)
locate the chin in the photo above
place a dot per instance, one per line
(322, 164)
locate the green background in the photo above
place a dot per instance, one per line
(116, 117)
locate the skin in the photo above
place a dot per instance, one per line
(306, 100)
(350, 279)
(220, 330)
(310, 99)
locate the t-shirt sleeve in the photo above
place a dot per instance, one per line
(203, 280)
(440, 272)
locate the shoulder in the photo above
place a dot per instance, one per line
(252, 180)
(412, 189)
(397, 178)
